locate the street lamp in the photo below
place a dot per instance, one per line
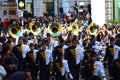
(21, 5)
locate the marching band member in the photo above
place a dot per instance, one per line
(98, 67)
(60, 67)
(43, 31)
(25, 40)
(38, 45)
(80, 39)
(116, 69)
(10, 43)
(64, 30)
(112, 53)
(68, 41)
(74, 55)
(20, 51)
(86, 67)
(31, 38)
(59, 49)
(118, 40)
(44, 57)
(50, 42)
(93, 67)
(30, 61)
(99, 49)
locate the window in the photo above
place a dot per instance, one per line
(5, 1)
(11, 1)
(5, 12)
(12, 12)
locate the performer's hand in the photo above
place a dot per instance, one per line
(70, 76)
(103, 78)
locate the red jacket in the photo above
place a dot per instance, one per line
(6, 24)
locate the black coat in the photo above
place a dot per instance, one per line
(56, 52)
(116, 69)
(74, 68)
(32, 64)
(44, 69)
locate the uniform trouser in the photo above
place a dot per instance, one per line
(34, 73)
(44, 72)
(110, 71)
(60, 78)
(75, 69)
(86, 71)
(20, 66)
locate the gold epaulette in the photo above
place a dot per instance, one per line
(111, 77)
(73, 53)
(104, 62)
(82, 66)
(31, 56)
(60, 49)
(69, 44)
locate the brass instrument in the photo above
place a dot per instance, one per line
(74, 28)
(93, 29)
(54, 29)
(14, 30)
(34, 27)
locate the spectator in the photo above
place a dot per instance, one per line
(1, 25)
(9, 66)
(2, 72)
(20, 75)
(6, 24)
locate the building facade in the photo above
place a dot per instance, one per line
(109, 9)
(9, 8)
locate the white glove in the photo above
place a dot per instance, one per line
(104, 79)
(70, 75)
